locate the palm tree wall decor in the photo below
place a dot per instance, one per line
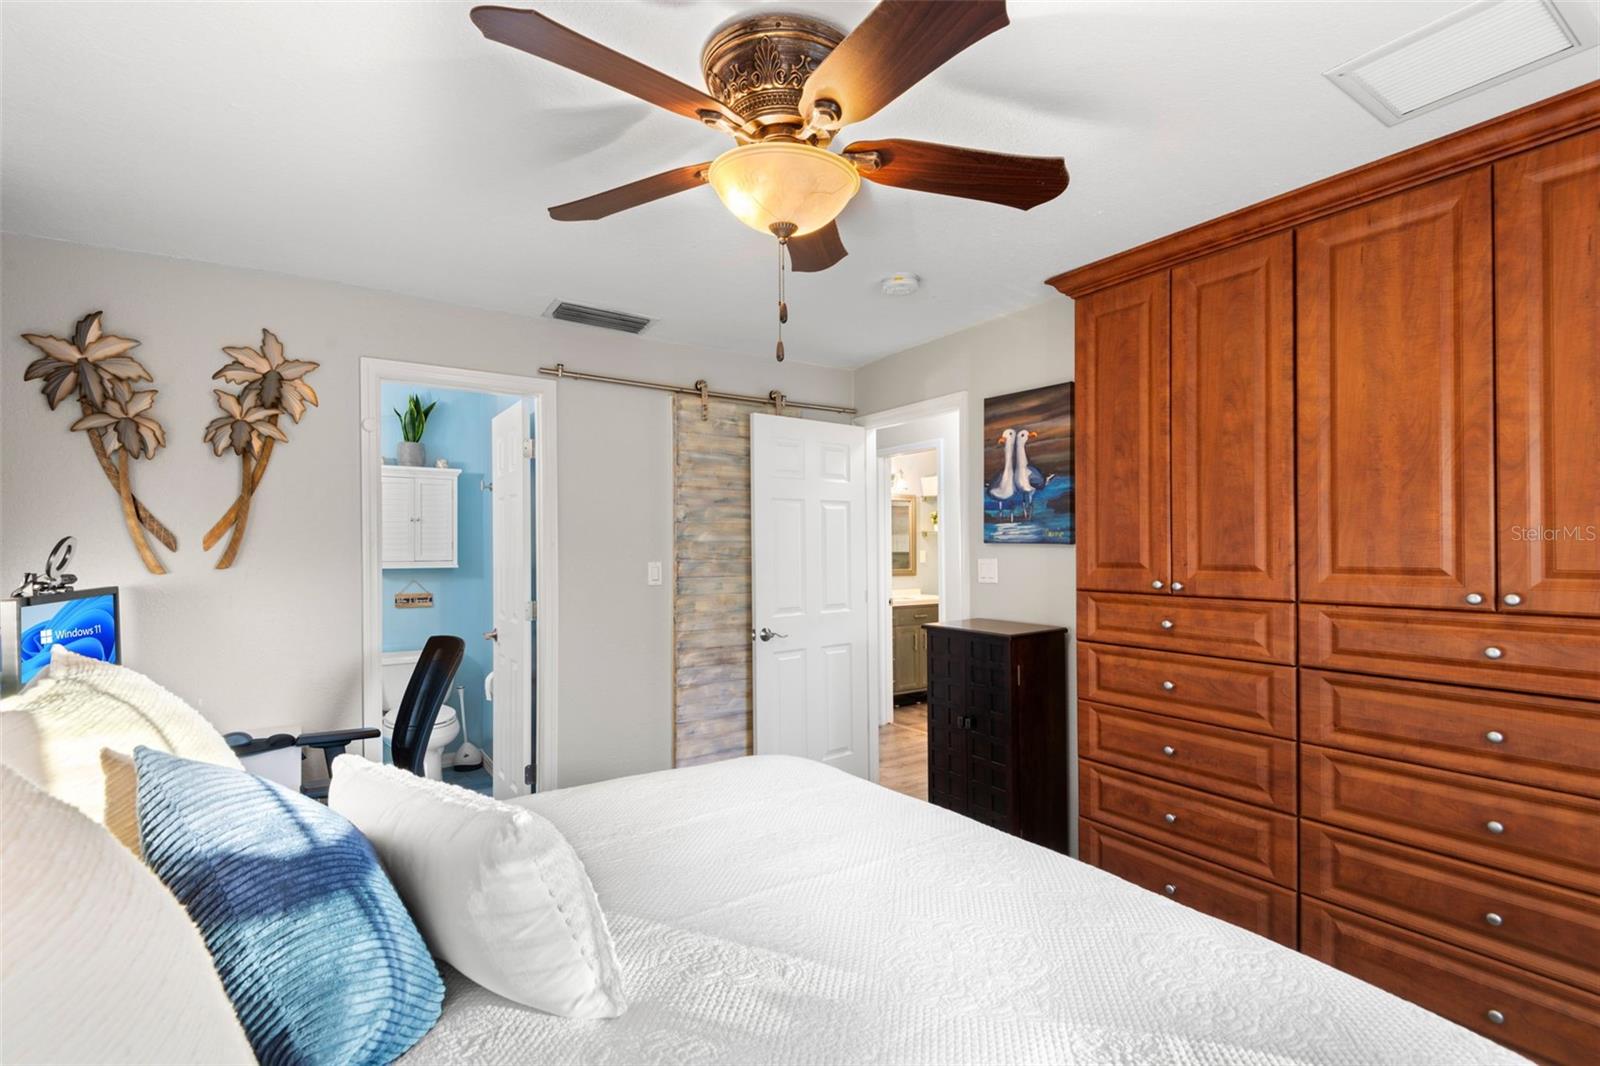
(95, 367)
(249, 426)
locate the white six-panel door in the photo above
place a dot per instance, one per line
(808, 527)
(512, 532)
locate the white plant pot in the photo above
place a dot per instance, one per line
(411, 453)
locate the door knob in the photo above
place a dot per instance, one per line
(1156, 585)
(493, 634)
(767, 634)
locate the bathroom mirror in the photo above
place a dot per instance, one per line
(903, 535)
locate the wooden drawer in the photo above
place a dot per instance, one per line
(1553, 743)
(1553, 931)
(1233, 629)
(1240, 695)
(1548, 656)
(1235, 835)
(1242, 766)
(1257, 906)
(916, 614)
(1549, 835)
(1538, 1017)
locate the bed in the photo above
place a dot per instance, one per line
(770, 909)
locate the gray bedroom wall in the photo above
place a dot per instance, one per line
(277, 639)
(1038, 582)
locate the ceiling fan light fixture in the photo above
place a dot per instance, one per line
(774, 182)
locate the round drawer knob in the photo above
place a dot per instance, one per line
(1166, 623)
(1168, 685)
(1169, 818)
(1156, 585)
(1511, 599)
(1494, 736)
(1177, 586)
(1494, 827)
(1169, 751)
(1496, 1017)
(1474, 598)
(1494, 919)
(1169, 889)
(1492, 653)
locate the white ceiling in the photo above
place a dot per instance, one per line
(389, 145)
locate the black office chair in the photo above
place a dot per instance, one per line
(419, 707)
(413, 722)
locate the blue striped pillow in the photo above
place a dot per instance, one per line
(315, 949)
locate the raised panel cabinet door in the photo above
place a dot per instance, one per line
(1395, 365)
(399, 531)
(1547, 376)
(905, 659)
(1121, 417)
(1233, 422)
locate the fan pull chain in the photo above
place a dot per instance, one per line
(783, 231)
(783, 303)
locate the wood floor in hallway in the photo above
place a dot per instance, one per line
(903, 751)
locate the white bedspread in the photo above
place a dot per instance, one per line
(774, 910)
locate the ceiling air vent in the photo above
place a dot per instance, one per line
(595, 316)
(1480, 45)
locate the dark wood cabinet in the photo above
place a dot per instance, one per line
(1121, 446)
(1232, 389)
(1547, 377)
(1395, 397)
(997, 726)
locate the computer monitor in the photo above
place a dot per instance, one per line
(85, 621)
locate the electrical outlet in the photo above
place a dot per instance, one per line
(988, 571)
(652, 574)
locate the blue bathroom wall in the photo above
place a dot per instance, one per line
(463, 597)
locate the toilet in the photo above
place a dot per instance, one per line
(397, 669)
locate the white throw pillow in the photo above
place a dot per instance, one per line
(53, 730)
(496, 890)
(100, 963)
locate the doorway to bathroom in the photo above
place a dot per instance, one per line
(458, 541)
(919, 571)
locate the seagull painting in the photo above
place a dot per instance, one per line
(1027, 467)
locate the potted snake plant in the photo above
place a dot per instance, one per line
(413, 423)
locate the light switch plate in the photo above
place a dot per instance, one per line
(988, 571)
(652, 574)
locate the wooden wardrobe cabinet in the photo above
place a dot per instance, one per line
(1547, 388)
(1378, 739)
(1186, 431)
(1396, 400)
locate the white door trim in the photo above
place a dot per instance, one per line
(541, 393)
(954, 589)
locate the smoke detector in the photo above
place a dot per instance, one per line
(901, 284)
(1464, 52)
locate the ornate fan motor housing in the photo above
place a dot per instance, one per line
(758, 65)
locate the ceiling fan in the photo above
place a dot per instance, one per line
(782, 86)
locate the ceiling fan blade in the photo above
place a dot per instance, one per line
(895, 47)
(817, 250)
(1020, 181)
(632, 194)
(537, 35)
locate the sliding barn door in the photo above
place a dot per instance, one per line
(808, 556)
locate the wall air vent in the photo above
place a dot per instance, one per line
(595, 316)
(1464, 52)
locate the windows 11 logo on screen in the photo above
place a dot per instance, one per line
(85, 625)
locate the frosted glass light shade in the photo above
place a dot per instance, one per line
(779, 181)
